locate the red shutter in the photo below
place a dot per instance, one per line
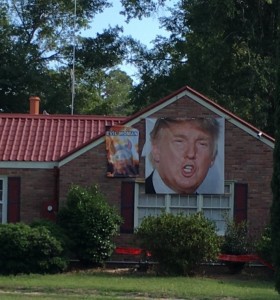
(127, 207)
(13, 199)
(240, 202)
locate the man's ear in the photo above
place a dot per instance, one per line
(212, 162)
(155, 153)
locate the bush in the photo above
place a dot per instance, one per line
(264, 245)
(235, 240)
(56, 231)
(179, 243)
(90, 223)
(29, 250)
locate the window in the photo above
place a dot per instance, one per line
(214, 207)
(3, 200)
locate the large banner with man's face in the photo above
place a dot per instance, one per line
(122, 151)
(184, 156)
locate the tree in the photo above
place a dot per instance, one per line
(117, 88)
(223, 49)
(17, 67)
(275, 184)
(56, 94)
(37, 39)
(104, 93)
(231, 57)
(101, 87)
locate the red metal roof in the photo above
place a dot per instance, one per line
(46, 138)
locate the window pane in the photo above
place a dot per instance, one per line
(207, 213)
(221, 226)
(193, 201)
(183, 201)
(216, 214)
(145, 212)
(152, 200)
(186, 211)
(225, 201)
(225, 213)
(144, 201)
(227, 189)
(186, 204)
(216, 202)
(207, 201)
(212, 201)
(175, 201)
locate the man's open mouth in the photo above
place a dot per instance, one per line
(188, 168)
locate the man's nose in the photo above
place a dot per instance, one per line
(190, 151)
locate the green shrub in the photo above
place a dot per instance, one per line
(29, 250)
(179, 243)
(46, 252)
(90, 223)
(264, 245)
(56, 231)
(235, 240)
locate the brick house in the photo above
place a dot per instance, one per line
(42, 155)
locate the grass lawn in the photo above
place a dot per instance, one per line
(94, 284)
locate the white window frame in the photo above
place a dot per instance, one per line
(165, 201)
(4, 199)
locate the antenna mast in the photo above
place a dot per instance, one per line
(74, 58)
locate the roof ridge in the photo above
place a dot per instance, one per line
(61, 116)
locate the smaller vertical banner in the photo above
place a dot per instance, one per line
(122, 151)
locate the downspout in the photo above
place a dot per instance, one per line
(56, 187)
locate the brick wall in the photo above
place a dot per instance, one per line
(37, 187)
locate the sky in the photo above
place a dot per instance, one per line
(144, 30)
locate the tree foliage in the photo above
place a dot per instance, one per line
(275, 184)
(224, 49)
(37, 39)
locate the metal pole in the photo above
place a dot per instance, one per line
(74, 58)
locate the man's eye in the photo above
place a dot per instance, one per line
(203, 143)
(178, 140)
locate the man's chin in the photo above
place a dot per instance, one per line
(186, 189)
